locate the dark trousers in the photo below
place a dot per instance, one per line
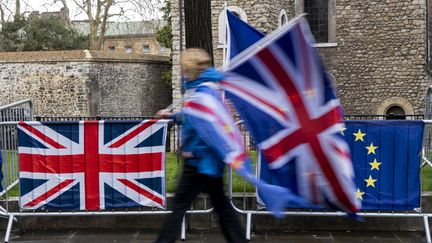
(190, 185)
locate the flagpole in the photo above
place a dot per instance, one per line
(225, 48)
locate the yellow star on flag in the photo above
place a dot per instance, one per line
(370, 181)
(371, 148)
(359, 194)
(375, 164)
(342, 130)
(359, 136)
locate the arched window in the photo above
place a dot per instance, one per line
(282, 18)
(239, 12)
(395, 112)
(321, 15)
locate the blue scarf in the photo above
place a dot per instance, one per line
(208, 75)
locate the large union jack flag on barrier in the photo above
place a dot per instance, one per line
(92, 165)
(282, 92)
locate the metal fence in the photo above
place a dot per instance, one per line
(8, 142)
(246, 209)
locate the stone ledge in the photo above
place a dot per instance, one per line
(78, 56)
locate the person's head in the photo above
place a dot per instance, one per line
(194, 61)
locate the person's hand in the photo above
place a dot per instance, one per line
(165, 113)
(187, 155)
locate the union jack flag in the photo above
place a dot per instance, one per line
(282, 92)
(92, 165)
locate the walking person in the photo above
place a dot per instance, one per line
(203, 167)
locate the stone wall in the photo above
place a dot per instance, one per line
(261, 14)
(84, 83)
(381, 54)
(377, 54)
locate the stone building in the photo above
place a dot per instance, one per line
(85, 83)
(137, 37)
(375, 50)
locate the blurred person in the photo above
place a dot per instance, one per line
(203, 167)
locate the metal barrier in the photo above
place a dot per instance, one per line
(9, 149)
(18, 111)
(426, 155)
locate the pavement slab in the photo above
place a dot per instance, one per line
(205, 236)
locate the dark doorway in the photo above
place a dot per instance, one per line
(395, 113)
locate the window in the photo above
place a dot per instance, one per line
(395, 113)
(163, 50)
(321, 15)
(146, 49)
(283, 19)
(111, 48)
(222, 22)
(128, 49)
(317, 16)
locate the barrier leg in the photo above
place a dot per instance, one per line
(248, 225)
(9, 228)
(183, 229)
(426, 225)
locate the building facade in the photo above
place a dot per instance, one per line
(138, 37)
(376, 51)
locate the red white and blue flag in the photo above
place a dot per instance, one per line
(92, 165)
(281, 90)
(214, 124)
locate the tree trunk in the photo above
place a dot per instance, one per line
(198, 25)
(94, 43)
(1, 14)
(66, 13)
(107, 6)
(17, 9)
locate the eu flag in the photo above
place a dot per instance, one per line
(386, 159)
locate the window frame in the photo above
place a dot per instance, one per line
(128, 47)
(143, 48)
(332, 41)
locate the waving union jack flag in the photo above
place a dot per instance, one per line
(282, 92)
(92, 165)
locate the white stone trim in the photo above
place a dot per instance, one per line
(324, 45)
(282, 13)
(395, 101)
(222, 22)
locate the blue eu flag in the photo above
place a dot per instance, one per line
(386, 159)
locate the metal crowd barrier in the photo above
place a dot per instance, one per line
(9, 147)
(10, 115)
(248, 212)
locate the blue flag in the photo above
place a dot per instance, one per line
(386, 158)
(210, 117)
(282, 92)
(241, 35)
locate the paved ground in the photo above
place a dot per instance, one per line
(216, 237)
